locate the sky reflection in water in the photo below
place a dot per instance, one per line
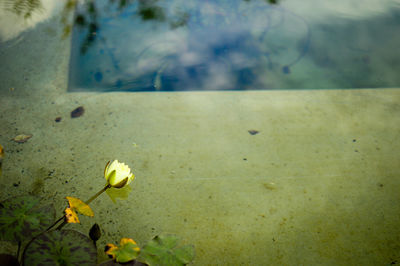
(230, 45)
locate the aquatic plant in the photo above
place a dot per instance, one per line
(24, 219)
(1, 157)
(161, 250)
(60, 247)
(164, 250)
(128, 250)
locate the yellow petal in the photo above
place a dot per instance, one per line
(106, 168)
(111, 176)
(113, 166)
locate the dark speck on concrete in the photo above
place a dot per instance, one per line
(77, 112)
(253, 131)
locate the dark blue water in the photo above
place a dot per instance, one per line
(176, 45)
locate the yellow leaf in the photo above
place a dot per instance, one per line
(71, 216)
(1, 152)
(125, 241)
(127, 251)
(110, 250)
(80, 206)
(22, 138)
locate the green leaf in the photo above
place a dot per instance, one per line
(61, 247)
(163, 250)
(127, 251)
(185, 253)
(22, 218)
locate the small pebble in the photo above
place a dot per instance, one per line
(77, 112)
(253, 131)
(270, 185)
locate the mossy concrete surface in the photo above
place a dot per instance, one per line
(317, 185)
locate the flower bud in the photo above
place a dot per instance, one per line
(118, 174)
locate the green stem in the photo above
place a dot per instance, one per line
(61, 225)
(19, 249)
(54, 224)
(97, 194)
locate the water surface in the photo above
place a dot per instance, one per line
(234, 45)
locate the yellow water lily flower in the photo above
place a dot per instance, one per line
(118, 174)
